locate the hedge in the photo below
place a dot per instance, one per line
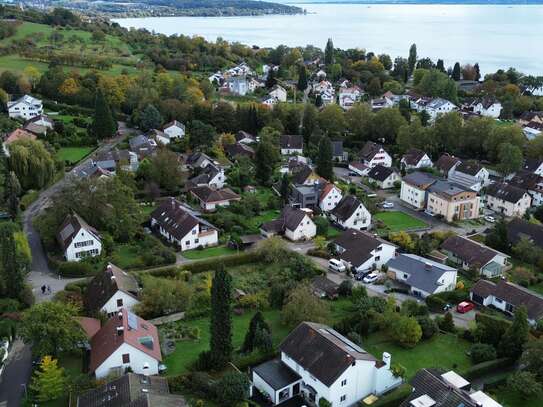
(487, 319)
(323, 254)
(226, 261)
(484, 368)
(436, 302)
(395, 397)
(75, 269)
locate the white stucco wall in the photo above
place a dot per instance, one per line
(306, 230)
(72, 252)
(413, 196)
(331, 200)
(111, 306)
(137, 361)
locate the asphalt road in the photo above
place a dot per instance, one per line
(19, 363)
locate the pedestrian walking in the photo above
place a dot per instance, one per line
(43, 289)
(48, 289)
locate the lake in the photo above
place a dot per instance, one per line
(496, 36)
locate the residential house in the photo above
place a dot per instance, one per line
(350, 213)
(211, 199)
(519, 229)
(238, 150)
(437, 107)
(534, 165)
(452, 202)
(269, 100)
(507, 200)
(469, 254)
(237, 85)
(125, 341)
(253, 84)
(323, 287)
(373, 154)
(470, 174)
(532, 183)
(245, 138)
(327, 97)
(279, 93)
(414, 189)
(90, 170)
(295, 224)
(114, 159)
(241, 69)
(305, 175)
(507, 297)
(131, 390)
(433, 388)
(110, 291)
(182, 227)
(362, 251)
(348, 96)
(16, 135)
(39, 125)
(488, 107)
(359, 169)
(446, 164)
(321, 364)
(305, 196)
(26, 107)
(217, 78)
(381, 103)
(200, 160)
(384, 177)
(77, 239)
(338, 153)
(422, 276)
(143, 146)
(291, 144)
(211, 176)
(528, 117)
(415, 159)
(330, 196)
(532, 130)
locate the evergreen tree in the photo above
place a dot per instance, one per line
(266, 158)
(329, 52)
(48, 381)
(103, 124)
(513, 340)
(302, 78)
(477, 71)
(221, 318)
(253, 120)
(412, 60)
(285, 188)
(150, 118)
(12, 275)
(4, 173)
(255, 336)
(12, 192)
(325, 167)
(318, 100)
(456, 73)
(440, 66)
(309, 121)
(271, 81)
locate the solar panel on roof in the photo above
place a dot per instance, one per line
(132, 321)
(67, 231)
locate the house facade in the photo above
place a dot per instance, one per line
(330, 196)
(295, 224)
(415, 159)
(507, 200)
(383, 177)
(174, 130)
(350, 213)
(291, 145)
(452, 202)
(470, 174)
(279, 93)
(414, 189)
(373, 154)
(78, 240)
(25, 108)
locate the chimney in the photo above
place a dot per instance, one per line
(120, 330)
(120, 315)
(109, 268)
(386, 358)
(428, 266)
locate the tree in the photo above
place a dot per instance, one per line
(481, 352)
(329, 57)
(447, 323)
(221, 318)
(266, 159)
(232, 388)
(406, 331)
(309, 121)
(331, 120)
(271, 81)
(12, 191)
(161, 296)
(51, 327)
(374, 87)
(200, 134)
(497, 238)
(477, 72)
(303, 305)
(150, 118)
(49, 381)
(440, 66)
(428, 326)
(516, 336)
(103, 124)
(285, 189)
(456, 73)
(532, 358)
(412, 60)
(32, 163)
(525, 384)
(257, 335)
(510, 159)
(325, 167)
(163, 169)
(11, 272)
(302, 78)
(386, 124)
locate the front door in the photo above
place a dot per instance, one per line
(296, 389)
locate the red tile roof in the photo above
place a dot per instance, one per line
(89, 325)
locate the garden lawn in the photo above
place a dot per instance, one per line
(265, 216)
(186, 352)
(73, 154)
(396, 221)
(73, 367)
(198, 254)
(442, 351)
(509, 398)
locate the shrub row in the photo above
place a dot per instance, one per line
(487, 319)
(226, 261)
(436, 302)
(322, 253)
(74, 269)
(484, 368)
(395, 397)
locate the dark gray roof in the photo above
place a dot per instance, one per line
(446, 162)
(206, 194)
(237, 149)
(301, 173)
(70, 227)
(423, 273)
(240, 135)
(357, 245)
(518, 229)
(446, 189)
(104, 285)
(277, 374)
(419, 179)
(346, 207)
(326, 285)
(505, 192)
(527, 180)
(337, 148)
(413, 156)
(532, 164)
(323, 352)
(469, 251)
(290, 218)
(369, 150)
(380, 173)
(292, 141)
(469, 167)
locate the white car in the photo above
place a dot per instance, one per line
(388, 205)
(490, 219)
(371, 278)
(336, 265)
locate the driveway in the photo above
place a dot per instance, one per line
(16, 374)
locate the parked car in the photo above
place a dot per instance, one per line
(490, 219)
(447, 307)
(371, 278)
(428, 212)
(336, 265)
(465, 306)
(388, 205)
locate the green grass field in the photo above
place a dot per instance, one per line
(73, 154)
(209, 252)
(396, 221)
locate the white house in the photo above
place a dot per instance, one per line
(77, 239)
(507, 200)
(532, 183)
(373, 154)
(534, 165)
(254, 84)
(320, 363)
(470, 174)
(110, 291)
(416, 159)
(180, 226)
(348, 96)
(487, 107)
(212, 176)
(414, 189)
(216, 78)
(269, 100)
(350, 213)
(174, 130)
(291, 144)
(211, 199)
(279, 93)
(384, 177)
(359, 169)
(295, 224)
(125, 341)
(330, 196)
(25, 107)
(424, 277)
(361, 251)
(238, 85)
(436, 107)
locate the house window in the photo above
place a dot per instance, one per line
(187, 242)
(120, 302)
(377, 258)
(126, 358)
(343, 398)
(344, 382)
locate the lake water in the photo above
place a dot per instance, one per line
(495, 36)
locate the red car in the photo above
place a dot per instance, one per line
(464, 306)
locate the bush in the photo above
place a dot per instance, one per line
(345, 288)
(525, 384)
(232, 388)
(446, 323)
(322, 253)
(74, 269)
(428, 326)
(395, 397)
(435, 303)
(482, 352)
(228, 261)
(484, 368)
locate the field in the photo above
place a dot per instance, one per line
(73, 154)
(396, 221)
(197, 254)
